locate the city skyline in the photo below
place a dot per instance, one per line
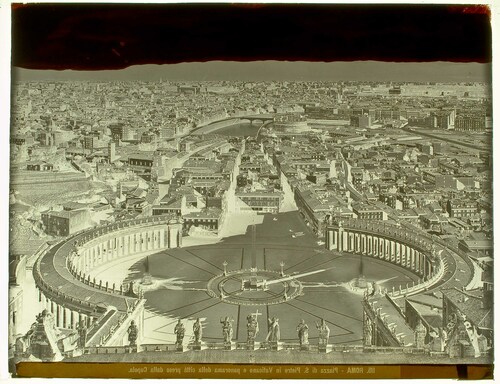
(377, 71)
(358, 214)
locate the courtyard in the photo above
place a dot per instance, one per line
(181, 277)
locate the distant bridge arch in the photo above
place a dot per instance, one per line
(257, 117)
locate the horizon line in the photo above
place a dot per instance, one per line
(274, 70)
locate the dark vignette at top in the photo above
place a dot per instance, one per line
(115, 36)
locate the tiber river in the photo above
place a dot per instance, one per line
(241, 129)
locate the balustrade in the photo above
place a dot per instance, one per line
(89, 249)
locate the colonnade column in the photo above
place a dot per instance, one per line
(126, 245)
(97, 252)
(161, 234)
(119, 246)
(122, 246)
(111, 249)
(81, 261)
(53, 310)
(101, 256)
(42, 301)
(106, 251)
(86, 259)
(74, 319)
(58, 315)
(66, 317)
(83, 318)
(340, 239)
(94, 256)
(89, 257)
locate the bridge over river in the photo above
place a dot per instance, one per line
(224, 123)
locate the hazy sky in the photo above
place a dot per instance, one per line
(279, 71)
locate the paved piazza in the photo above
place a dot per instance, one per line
(190, 283)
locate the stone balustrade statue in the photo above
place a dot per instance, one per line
(133, 333)
(324, 335)
(227, 329)
(179, 331)
(303, 333)
(273, 334)
(252, 327)
(197, 331)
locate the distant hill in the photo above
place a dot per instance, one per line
(276, 71)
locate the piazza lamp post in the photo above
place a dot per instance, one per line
(224, 264)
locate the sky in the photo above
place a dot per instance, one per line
(277, 71)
